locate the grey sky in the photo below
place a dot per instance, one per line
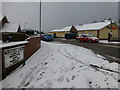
(56, 15)
(23, 12)
(119, 12)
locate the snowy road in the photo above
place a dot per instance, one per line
(57, 65)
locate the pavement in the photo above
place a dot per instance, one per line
(109, 50)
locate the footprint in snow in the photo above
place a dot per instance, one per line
(51, 54)
(118, 80)
(46, 63)
(93, 85)
(61, 78)
(72, 68)
(53, 58)
(73, 77)
(26, 84)
(67, 80)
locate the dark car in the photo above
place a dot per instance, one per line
(70, 35)
(87, 38)
(47, 37)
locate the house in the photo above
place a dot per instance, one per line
(3, 20)
(15, 46)
(98, 29)
(61, 32)
(6, 26)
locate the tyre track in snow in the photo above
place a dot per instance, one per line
(94, 54)
(99, 48)
(77, 60)
(99, 69)
(68, 55)
(91, 65)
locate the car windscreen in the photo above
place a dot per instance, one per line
(90, 36)
(84, 36)
(48, 36)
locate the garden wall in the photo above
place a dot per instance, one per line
(33, 45)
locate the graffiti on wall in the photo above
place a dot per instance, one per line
(13, 55)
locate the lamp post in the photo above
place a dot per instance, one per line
(40, 17)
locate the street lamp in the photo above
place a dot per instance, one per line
(40, 17)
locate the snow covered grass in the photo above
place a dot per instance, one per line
(64, 66)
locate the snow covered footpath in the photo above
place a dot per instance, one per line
(106, 41)
(64, 66)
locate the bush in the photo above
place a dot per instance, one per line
(5, 36)
(18, 36)
(29, 32)
(13, 37)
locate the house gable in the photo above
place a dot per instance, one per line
(73, 29)
(3, 20)
(19, 29)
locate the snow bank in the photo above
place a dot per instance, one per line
(64, 66)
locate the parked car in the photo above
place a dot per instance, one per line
(47, 37)
(70, 35)
(87, 38)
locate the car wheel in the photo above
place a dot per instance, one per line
(89, 41)
(79, 40)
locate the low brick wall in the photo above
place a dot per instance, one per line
(33, 45)
(29, 49)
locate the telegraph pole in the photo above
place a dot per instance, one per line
(40, 17)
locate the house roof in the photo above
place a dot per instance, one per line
(8, 27)
(91, 26)
(1, 17)
(63, 29)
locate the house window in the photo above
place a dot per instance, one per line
(90, 33)
(83, 32)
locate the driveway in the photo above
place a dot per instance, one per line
(110, 51)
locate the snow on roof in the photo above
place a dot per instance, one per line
(1, 17)
(8, 27)
(3, 45)
(63, 29)
(91, 26)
